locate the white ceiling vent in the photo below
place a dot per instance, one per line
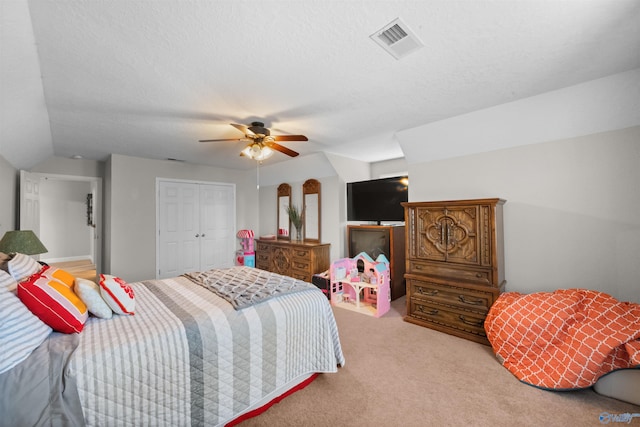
(397, 39)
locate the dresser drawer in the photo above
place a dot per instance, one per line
(262, 257)
(301, 253)
(301, 264)
(444, 318)
(458, 273)
(457, 296)
(301, 275)
(263, 246)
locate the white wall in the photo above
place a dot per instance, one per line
(64, 231)
(394, 167)
(596, 106)
(8, 192)
(65, 166)
(571, 217)
(131, 208)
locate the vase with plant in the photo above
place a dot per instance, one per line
(295, 216)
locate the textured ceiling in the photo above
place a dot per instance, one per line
(151, 78)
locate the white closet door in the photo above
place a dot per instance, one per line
(196, 227)
(217, 213)
(178, 234)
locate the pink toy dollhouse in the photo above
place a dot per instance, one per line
(361, 284)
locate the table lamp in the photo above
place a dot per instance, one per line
(21, 241)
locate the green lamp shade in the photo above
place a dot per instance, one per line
(21, 241)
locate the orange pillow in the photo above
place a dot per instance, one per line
(59, 274)
(54, 302)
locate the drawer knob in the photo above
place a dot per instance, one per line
(479, 275)
(465, 300)
(471, 322)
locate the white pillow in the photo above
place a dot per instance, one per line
(22, 266)
(7, 281)
(89, 293)
(21, 331)
(117, 293)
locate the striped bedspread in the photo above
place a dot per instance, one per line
(188, 358)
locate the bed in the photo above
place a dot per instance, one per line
(189, 355)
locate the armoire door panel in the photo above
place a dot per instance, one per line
(448, 234)
(431, 239)
(461, 231)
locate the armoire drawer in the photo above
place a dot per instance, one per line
(441, 317)
(453, 295)
(452, 272)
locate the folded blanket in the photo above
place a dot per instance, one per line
(244, 286)
(565, 339)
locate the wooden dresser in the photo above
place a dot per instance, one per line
(290, 258)
(454, 264)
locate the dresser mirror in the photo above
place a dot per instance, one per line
(311, 210)
(284, 203)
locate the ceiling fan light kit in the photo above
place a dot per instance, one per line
(257, 151)
(263, 144)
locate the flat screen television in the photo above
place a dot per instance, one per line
(377, 199)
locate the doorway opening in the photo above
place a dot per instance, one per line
(65, 212)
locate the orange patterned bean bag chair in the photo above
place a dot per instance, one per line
(565, 339)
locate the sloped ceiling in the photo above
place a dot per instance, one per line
(151, 78)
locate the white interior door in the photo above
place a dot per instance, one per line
(178, 223)
(30, 202)
(217, 213)
(196, 223)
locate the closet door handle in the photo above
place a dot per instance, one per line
(197, 235)
(202, 235)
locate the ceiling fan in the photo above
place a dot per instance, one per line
(261, 142)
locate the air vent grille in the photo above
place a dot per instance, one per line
(393, 35)
(397, 39)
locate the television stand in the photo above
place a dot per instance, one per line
(388, 240)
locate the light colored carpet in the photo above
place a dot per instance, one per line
(400, 374)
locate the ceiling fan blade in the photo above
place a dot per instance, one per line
(243, 128)
(221, 140)
(281, 149)
(291, 138)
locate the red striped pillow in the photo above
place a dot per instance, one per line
(54, 303)
(117, 293)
